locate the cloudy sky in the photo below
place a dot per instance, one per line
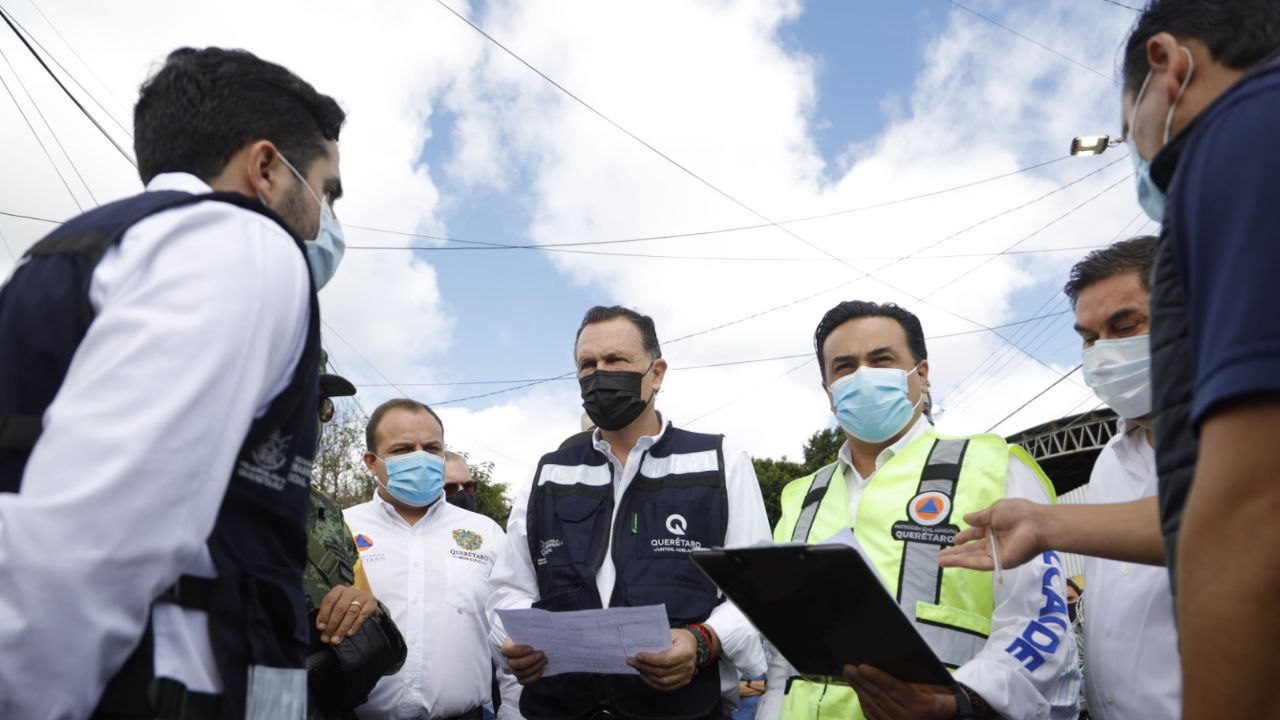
(765, 159)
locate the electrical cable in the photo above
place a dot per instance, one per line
(48, 156)
(31, 99)
(86, 65)
(4, 14)
(752, 391)
(68, 73)
(1037, 396)
(1040, 45)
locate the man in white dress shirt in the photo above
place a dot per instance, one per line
(1132, 668)
(608, 520)
(429, 562)
(159, 361)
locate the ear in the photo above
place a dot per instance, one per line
(659, 372)
(1169, 65)
(923, 372)
(371, 462)
(831, 401)
(263, 169)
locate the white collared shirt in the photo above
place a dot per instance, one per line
(516, 586)
(201, 316)
(1132, 665)
(434, 578)
(1013, 691)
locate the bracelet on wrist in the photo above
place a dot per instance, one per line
(702, 637)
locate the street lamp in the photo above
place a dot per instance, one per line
(1093, 144)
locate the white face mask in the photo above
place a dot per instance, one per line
(1119, 371)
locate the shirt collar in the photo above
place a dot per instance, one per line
(644, 443)
(918, 428)
(390, 510)
(186, 182)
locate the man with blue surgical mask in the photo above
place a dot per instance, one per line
(903, 489)
(1132, 669)
(429, 562)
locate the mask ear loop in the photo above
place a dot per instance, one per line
(1168, 119)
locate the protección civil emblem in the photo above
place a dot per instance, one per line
(468, 539)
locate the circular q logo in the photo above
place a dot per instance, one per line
(676, 524)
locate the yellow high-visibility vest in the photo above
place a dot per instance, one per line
(910, 509)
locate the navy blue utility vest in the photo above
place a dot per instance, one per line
(256, 606)
(1172, 371)
(677, 502)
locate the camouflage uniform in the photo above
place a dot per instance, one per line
(332, 560)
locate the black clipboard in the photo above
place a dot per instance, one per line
(822, 607)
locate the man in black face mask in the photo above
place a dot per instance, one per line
(459, 488)
(671, 491)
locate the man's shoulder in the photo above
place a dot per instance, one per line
(362, 513)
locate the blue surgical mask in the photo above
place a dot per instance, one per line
(415, 479)
(325, 252)
(872, 404)
(1150, 196)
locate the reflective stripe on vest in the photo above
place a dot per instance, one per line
(812, 500)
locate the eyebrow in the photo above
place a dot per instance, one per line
(1117, 316)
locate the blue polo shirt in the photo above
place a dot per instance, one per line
(1225, 201)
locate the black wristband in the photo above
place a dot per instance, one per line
(964, 704)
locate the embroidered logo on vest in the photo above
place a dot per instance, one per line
(676, 524)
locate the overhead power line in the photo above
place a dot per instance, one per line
(1037, 396)
(4, 14)
(47, 126)
(43, 148)
(1120, 4)
(1038, 44)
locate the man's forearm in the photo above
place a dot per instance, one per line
(1128, 532)
(1228, 579)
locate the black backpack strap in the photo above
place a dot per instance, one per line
(19, 432)
(191, 592)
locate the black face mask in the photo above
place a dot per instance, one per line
(462, 500)
(612, 397)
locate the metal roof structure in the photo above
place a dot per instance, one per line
(1067, 447)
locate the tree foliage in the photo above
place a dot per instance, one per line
(339, 470)
(821, 449)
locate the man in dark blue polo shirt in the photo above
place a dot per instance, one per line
(1201, 103)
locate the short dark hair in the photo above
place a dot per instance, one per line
(1136, 254)
(203, 106)
(1238, 33)
(371, 429)
(643, 323)
(855, 309)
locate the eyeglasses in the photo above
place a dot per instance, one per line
(470, 487)
(326, 409)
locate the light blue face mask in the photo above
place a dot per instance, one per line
(415, 479)
(325, 252)
(1150, 196)
(872, 404)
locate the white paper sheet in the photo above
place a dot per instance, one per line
(590, 641)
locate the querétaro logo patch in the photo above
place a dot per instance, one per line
(929, 508)
(363, 542)
(468, 539)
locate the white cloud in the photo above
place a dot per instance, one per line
(710, 84)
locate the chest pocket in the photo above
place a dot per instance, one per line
(672, 527)
(466, 580)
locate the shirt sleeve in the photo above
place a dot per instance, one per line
(1227, 230)
(1028, 669)
(770, 707)
(748, 525)
(124, 485)
(512, 583)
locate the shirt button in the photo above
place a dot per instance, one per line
(1126, 571)
(1111, 700)
(1109, 633)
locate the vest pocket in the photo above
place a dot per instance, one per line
(686, 602)
(953, 618)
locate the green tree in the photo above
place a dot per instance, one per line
(821, 449)
(339, 470)
(491, 497)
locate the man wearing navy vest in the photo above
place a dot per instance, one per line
(159, 380)
(903, 489)
(609, 520)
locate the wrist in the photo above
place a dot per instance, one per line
(704, 647)
(1047, 527)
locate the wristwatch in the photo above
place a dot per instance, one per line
(964, 704)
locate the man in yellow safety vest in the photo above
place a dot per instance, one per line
(904, 488)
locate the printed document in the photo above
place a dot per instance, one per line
(590, 641)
